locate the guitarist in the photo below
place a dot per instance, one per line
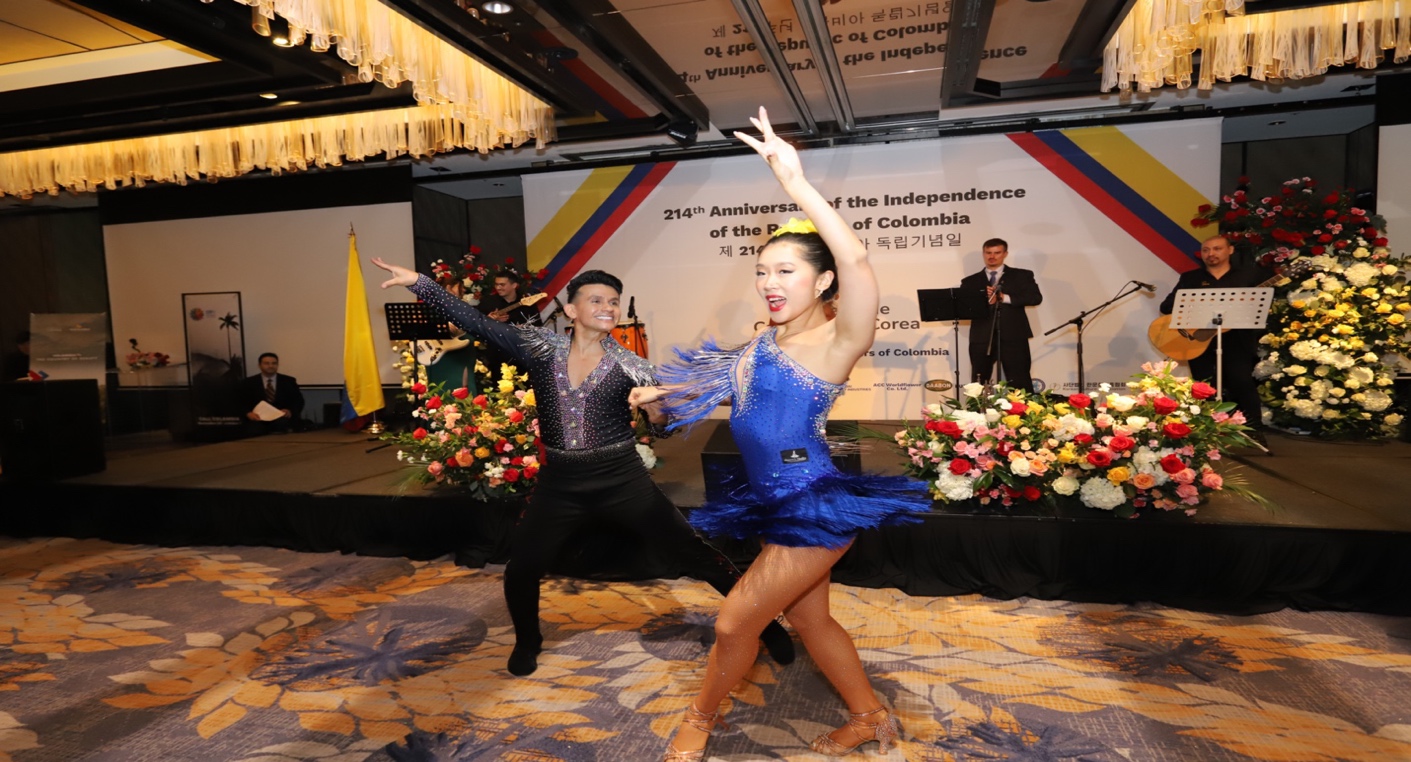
(1241, 346)
(503, 304)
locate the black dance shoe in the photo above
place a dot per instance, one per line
(524, 659)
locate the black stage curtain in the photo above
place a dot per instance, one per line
(1070, 554)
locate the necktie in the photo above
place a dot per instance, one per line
(269, 392)
(992, 279)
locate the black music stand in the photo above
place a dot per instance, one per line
(414, 321)
(938, 305)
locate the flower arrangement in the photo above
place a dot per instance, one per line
(1326, 366)
(139, 360)
(1153, 446)
(488, 442)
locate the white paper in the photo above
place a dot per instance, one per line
(268, 412)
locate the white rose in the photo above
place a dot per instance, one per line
(954, 487)
(1393, 420)
(1019, 466)
(649, 458)
(1104, 387)
(1137, 422)
(1120, 402)
(1388, 269)
(1360, 274)
(972, 389)
(1066, 485)
(992, 415)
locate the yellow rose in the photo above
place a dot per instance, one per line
(1119, 474)
(1298, 304)
(529, 398)
(506, 386)
(1067, 455)
(482, 452)
(520, 439)
(1310, 313)
(1383, 309)
(1012, 421)
(1370, 293)
(1403, 307)
(1396, 319)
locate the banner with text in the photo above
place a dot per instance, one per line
(1089, 210)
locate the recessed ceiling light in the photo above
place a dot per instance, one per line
(281, 41)
(1277, 122)
(289, 103)
(269, 96)
(496, 7)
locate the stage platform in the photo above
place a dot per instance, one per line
(1339, 536)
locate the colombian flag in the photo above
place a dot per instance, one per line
(361, 379)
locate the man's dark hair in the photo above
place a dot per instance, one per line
(267, 354)
(593, 276)
(995, 242)
(513, 276)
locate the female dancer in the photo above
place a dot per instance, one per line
(782, 385)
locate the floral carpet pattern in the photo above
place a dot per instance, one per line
(118, 652)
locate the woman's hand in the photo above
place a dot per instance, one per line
(644, 395)
(781, 157)
(401, 276)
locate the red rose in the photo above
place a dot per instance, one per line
(419, 434)
(433, 403)
(1199, 222)
(514, 415)
(474, 249)
(1172, 464)
(1325, 238)
(1202, 209)
(1202, 391)
(1231, 216)
(511, 474)
(461, 393)
(1317, 250)
(1380, 242)
(1080, 401)
(1012, 492)
(1031, 493)
(419, 388)
(1121, 443)
(451, 463)
(503, 446)
(531, 472)
(517, 460)
(959, 466)
(1165, 405)
(951, 429)
(1083, 438)
(1176, 430)
(934, 426)
(1332, 198)
(1330, 214)
(1004, 449)
(481, 400)
(1100, 458)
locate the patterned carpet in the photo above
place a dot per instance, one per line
(114, 652)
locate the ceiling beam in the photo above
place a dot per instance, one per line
(757, 23)
(820, 45)
(599, 25)
(969, 26)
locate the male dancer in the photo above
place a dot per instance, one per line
(592, 471)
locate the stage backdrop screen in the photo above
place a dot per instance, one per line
(290, 269)
(1088, 209)
(1394, 183)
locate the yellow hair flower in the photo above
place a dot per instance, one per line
(795, 225)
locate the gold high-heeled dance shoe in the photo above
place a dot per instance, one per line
(884, 731)
(702, 721)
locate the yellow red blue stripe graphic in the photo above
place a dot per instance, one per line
(595, 211)
(1126, 183)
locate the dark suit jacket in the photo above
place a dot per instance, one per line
(1023, 292)
(287, 396)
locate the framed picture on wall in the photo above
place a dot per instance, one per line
(215, 353)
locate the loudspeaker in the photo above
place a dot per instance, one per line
(721, 456)
(50, 430)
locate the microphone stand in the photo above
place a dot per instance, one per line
(996, 339)
(1078, 321)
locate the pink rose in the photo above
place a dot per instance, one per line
(1186, 490)
(435, 468)
(1186, 476)
(1212, 480)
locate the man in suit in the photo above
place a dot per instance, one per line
(1002, 331)
(279, 390)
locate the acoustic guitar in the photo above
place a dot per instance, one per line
(1184, 344)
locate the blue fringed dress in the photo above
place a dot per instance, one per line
(790, 493)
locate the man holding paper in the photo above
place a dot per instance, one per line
(272, 400)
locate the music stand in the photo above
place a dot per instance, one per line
(413, 321)
(938, 305)
(1221, 309)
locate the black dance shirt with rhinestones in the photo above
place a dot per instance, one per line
(592, 415)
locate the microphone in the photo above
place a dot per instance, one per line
(632, 308)
(1146, 286)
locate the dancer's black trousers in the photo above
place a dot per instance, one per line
(608, 485)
